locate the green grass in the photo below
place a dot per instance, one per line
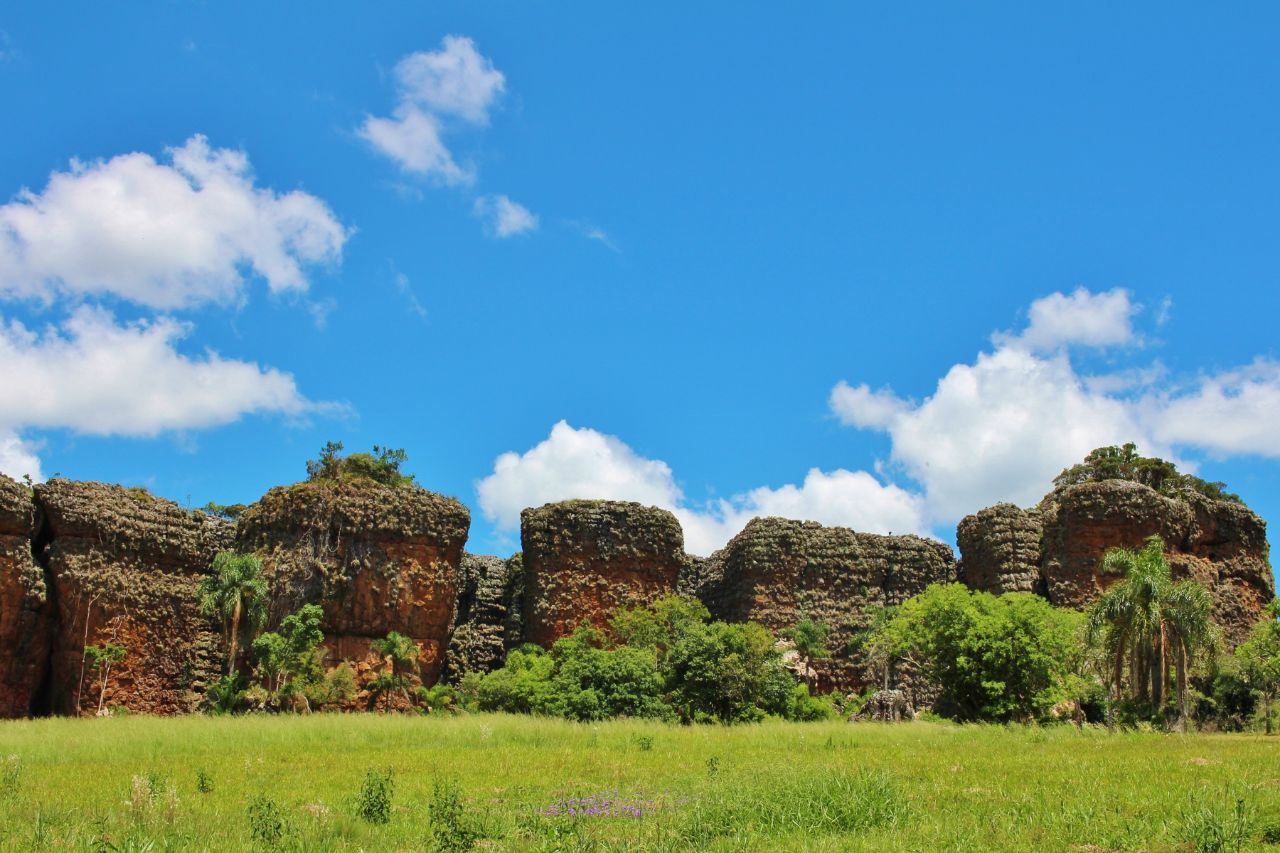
(489, 781)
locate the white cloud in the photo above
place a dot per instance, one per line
(413, 140)
(584, 463)
(1080, 318)
(98, 377)
(1001, 428)
(165, 236)
(452, 82)
(504, 217)
(18, 458)
(1234, 412)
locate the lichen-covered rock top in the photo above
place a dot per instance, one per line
(132, 523)
(584, 559)
(17, 512)
(779, 571)
(375, 510)
(1000, 549)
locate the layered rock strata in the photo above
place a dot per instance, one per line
(584, 559)
(779, 572)
(376, 558)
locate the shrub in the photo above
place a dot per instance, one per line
(373, 803)
(267, 825)
(451, 828)
(380, 466)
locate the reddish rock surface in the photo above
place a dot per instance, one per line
(585, 559)
(26, 609)
(779, 572)
(1223, 544)
(376, 558)
(124, 567)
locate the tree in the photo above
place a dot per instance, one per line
(1259, 659)
(1125, 463)
(810, 639)
(403, 654)
(101, 658)
(1144, 619)
(236, 595)
(1001, 658)
(289, 660)
(381, 466)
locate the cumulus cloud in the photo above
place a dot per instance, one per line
(165, 235)
(96, 376)
(1001, 428)
(454, 82)
(584, 463)
(1081, 318)
(504, 217)
(18, 458)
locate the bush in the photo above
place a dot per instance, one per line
(380, 466)
(266, 822)
(451, 829)
(373, 803)
(1124, 463)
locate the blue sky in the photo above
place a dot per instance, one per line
(874, 267)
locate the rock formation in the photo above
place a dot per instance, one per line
(1056, 548)
(778, 572)
(123, 567)
(377, 558)
(584, 559)
(26, 607)
(483, 628)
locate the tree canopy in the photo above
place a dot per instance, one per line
(1125, 463)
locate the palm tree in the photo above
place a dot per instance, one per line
(1144, 618)
(403, 653)
(236, 595)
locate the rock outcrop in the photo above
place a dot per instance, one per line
(585, 559)
(376, 558)
(779, 572)
(26, 606)
(483, 628)
(123, 567)
(1056, 548)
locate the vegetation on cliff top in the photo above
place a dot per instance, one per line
(1124, 463)
(380, 466)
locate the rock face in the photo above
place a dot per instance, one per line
(26, 608)
(1058, 547)
(123, 567)
(584, 559)
(376, 558)
(483, 627)
(779, 572)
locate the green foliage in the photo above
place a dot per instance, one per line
(100, 659)
(1258, 660)
(204, 782)
(380, 466)
(289, 661)
(373, 802)
(230, 512)
(267, 826)
(1124, 463)
(664, 661)
(236, 595)
(336, 688)
(1212, 828)
(452, 829)
(402, 652)
(226, 696)
(1005, 658)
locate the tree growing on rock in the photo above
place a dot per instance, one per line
(101, 658)
(380, 466)
(236, 595)
(1145, 621)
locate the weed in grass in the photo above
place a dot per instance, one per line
(267, 826)
(373, 803)
(10, 778)
(1217, 830)
(644, 742)
(204, 782)
(713, 767)
(451, 828)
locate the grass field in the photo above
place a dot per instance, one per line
(519, 783)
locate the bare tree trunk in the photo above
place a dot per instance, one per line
(232, 637)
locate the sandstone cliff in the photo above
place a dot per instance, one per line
(26, 606)
(1056, 548)
(123, 567)
(376, 558)
(584, 559)
(778, 572)
(483, 626)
